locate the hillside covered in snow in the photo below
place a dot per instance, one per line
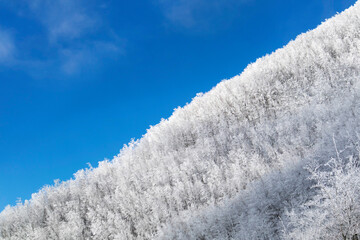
(269, 154)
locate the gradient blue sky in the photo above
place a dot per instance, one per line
(79, 79)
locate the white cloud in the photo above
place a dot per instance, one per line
(196, 13)
(181, 11)
(72, 27)
(7, 47)
(72, 60)
(64, 19)
(72, 32)
(75, 60)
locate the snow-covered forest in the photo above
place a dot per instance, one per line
(272, 153)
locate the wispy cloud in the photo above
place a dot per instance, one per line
(7, 47)
(181, 12)
(72, 31)
(196, 14)
(64, 19)
(73, 60)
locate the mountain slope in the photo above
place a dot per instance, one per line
(281, 112)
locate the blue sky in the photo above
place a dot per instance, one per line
(79, 79)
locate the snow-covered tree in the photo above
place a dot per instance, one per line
(334, 213)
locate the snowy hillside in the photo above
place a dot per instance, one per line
(247, 160)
